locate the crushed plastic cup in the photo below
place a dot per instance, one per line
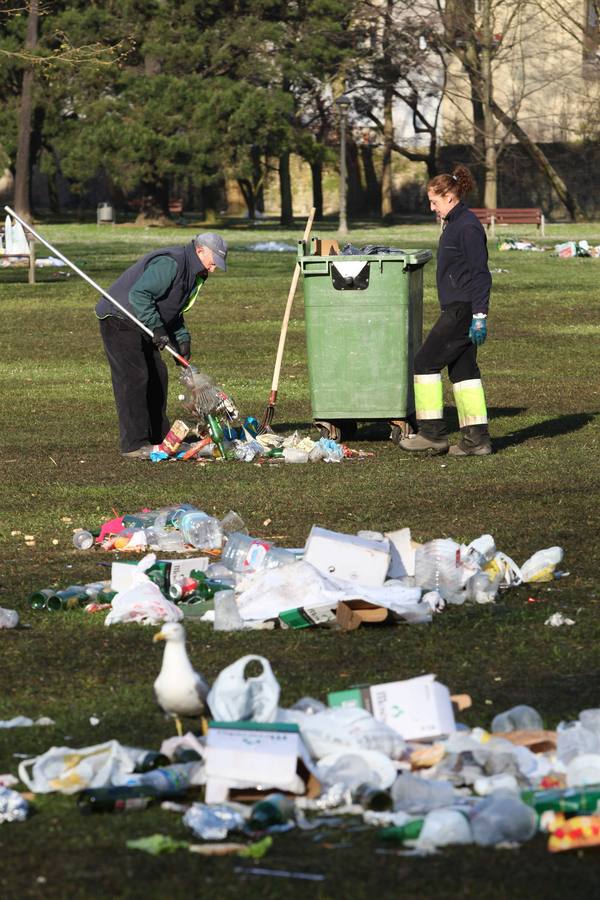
(227, 614)
(231, 522)
(9, 618)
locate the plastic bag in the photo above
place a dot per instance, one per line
(9, 618)
(233, 697)
(144, 603)
(352, 769)
(348, 727)
(13, 806)
(69, 770)
(541, 566)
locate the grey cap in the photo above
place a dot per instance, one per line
(215, 243)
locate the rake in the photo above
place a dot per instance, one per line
(270, 410)
(180, 359)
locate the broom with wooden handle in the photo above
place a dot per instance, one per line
(270, 410)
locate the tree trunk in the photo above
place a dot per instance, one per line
(155, 203)
(541, 161)
(257, 178)
(490, 196)
(373, 191)
(247, 190)
(316, 169)
(386, 171)
(22, 199)
(285, 190)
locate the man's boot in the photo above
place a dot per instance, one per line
(474, 441)
(431, 438)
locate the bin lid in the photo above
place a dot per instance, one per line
(409, 258)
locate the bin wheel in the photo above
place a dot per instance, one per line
(400, 429)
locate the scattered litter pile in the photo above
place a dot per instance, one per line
(391, 755)
(240, 581)
(576, 248)
(515, 243)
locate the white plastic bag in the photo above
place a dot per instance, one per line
(541, 566)
(350, 727)
(142, 602)
(69, 770)
(233, 697)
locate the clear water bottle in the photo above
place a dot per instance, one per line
(243, 553)
(201, 531)
(438, 566)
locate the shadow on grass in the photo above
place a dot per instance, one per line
(551, 428)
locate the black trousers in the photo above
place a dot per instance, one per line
(448, 344)
(139, 380)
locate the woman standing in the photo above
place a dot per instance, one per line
(463, 285)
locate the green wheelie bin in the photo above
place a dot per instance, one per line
(364, 323)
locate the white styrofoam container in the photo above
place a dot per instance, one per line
(347, 556)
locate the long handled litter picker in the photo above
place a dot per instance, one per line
(270, 410)
(180, 359)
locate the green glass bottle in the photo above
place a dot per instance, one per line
(151, 759)
(584, 800)
(400, 833)
(72, 597)
(276, 809)
(39, 599)
(216, 433)
(125, 798)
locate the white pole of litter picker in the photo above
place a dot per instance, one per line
(96, 287)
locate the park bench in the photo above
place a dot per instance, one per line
(492, 217)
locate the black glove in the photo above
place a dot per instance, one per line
(185, 350)
(160, 338)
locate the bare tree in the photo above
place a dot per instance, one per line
(23, 162)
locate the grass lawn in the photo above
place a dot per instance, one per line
(59, 459)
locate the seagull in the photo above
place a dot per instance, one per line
(179, 689)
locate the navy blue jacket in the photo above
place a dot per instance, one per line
(462, 262)
(172, 304)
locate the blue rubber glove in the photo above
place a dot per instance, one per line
(478, 329)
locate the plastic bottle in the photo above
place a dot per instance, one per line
(201, 531)
(369, 796)
(502, 817)
(168, 781)
(418, 795)
(146, 760)
(438, 567)
(277, 556)
(518, 718)
(567, 800)
(243, 553)
(231, 522)
(275, 809)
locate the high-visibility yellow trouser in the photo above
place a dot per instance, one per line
(470, 402)
(429, 399)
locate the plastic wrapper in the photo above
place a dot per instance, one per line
(9, 618)
(13, 807)
(213, 822)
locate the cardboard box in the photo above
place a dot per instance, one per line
(254, 754)
(351, 614)
(419, 708)
(305, 616)
(355, 697)
(347, 556)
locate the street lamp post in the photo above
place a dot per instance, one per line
(343, 104)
